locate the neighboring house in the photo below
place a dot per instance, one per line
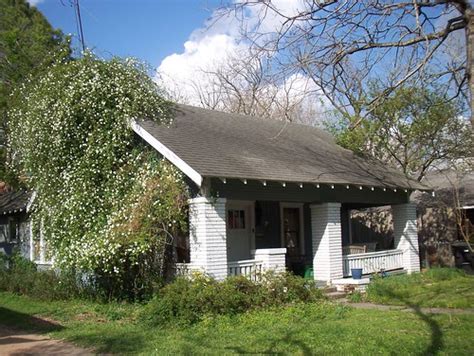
(268, 194)
(14, 226)
(441, 216)
(15, 229)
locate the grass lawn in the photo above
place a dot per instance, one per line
(302, 329)
(437, 287)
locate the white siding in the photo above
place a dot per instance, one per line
(406, 235)
(327, 241)
(208, 243)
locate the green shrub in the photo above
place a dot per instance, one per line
(356, 297)
(189, 300)
(21, 276)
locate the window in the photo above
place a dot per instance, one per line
(13, 230)
(4, 233)
(236, 219)
(9, 230)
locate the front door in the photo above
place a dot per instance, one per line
(291, 230)
(239, 230)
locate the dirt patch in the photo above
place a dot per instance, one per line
(16, 342)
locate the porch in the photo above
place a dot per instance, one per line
(248, 237)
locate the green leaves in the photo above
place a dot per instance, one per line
(414, 129)
(28, 45)
(97, 188)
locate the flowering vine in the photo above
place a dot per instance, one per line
(104, 199)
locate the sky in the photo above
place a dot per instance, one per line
(175, 37)
(150, 30)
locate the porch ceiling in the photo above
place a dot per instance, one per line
(216, 144)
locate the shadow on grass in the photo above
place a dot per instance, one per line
(277, 344)
(111, 341)
(299, 347)
(16, 320)
(437, 342)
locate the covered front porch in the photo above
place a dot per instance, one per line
(295, 227)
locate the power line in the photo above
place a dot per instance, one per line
(79, 24)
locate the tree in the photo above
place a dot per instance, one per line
(28, 44)
(344, 45)
(414, 128)
(248, 85)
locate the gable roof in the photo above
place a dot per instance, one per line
(208, 143)
(12, 202)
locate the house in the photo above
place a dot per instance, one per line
(14, 226)
(16, 234)
(446, 217)
(268, 194)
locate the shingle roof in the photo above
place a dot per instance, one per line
(14, 201)
(451, 187)
(217, 144)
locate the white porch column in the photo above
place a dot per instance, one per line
(207, 236)
(327, 241)
(406, 235)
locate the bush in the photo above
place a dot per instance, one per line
(189, 300)
(356, 297)
(21, 276)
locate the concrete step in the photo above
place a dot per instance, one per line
(335, 295)
(329, 289)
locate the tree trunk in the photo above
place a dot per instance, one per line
(470, 58)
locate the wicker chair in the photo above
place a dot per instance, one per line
(353, 249)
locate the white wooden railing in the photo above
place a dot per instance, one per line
(263, 260)
(248, 268)
(373, 262)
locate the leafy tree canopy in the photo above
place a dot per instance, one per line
(104, 202)
(28, 44)
(415, 129)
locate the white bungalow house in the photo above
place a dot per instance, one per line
(273, 195)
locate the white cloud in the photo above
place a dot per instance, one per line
(180, 73)
(270, 21)
(217, 41)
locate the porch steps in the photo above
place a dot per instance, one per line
(332, 293)
(336, 295)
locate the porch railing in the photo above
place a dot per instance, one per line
(182, 269)
(373, 262)
(248, 268)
